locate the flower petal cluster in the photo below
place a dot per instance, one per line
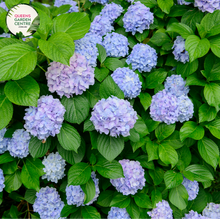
(134, 178)
(162, 211)
(3, 141)
(46, 119)
(179, 52)
(2, 180)
(212, 211)
(74, 7)
(130, 1)
(118, 213)
(207, 5)
(128, 81)
(142, 58)
(111, 11)
(192, 188)
(54, 167)
(116, 45)
(6, 35)
(103, 2)
(183, 2)
(137, 18)
(48, 203)
(18, 145)
(3, 5)
(113, 116)
(70, 80)
(86, 46)
(194, 215)
(76, 196)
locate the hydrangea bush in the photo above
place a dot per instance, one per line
(110, 109)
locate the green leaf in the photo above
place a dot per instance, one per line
(105, 198)
(69, 137)
(79, 174)
(90, 212)
(163, 131)
(165, 5)
(13, 181)
(172, 179)
(120, 201)
(215, 45)
(206, 113)
(3, 21)
(143, 200)
(152, 149)
(11, 3)
(182, 29)
(156, 197)
(209, 151)
(184, 156)
(30, 196)
(110, 147)
(141, 36)
(187, 69)
(174, 140)
(160, 38)
(102, 53)
(7, 41)
(212, 95)
(101, 74)
(68, 209)
(113, 63)
(195, 79)
(143, 159)
(88, 125)
(14, 212)
(149, 3)
(157, 175)
(214, 128)
(191, 130)
(5, 158)
(133, 210)
(18, 64)
(145, 99)
(141, 127)
(92, 94)
(74, 24)
(89, 190)
(9, 168)
(196, 47)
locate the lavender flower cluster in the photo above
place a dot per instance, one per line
(207, 5)
(46, 119)
(6, 35)
(76, 196)
(192, 188)
(3, 5)
(194, 215)
(74, 7)
(3, 141)
(2, 180)
(134, 178)
(100, 1)
(113, 116)
(183, 2)
(128, 81)
(118, 213)
(212, 211)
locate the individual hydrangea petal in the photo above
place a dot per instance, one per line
(194, 215)
(86, 46)
(103, 2)
(48, 203)
(207, 5)
(46, 119)
(74, 6)
(3, 5)
(192, 188)
(6, 35)
(179, 52)
(2, 180)
(116, 45)
(183, 2)
(138, 18)
(101, 26)
(142, 58)
(70, 80)
(113, 116)
(128, 81)
(111, 11)
(212, 211)
(3, 141)
(118, 213)
(18, 145)
(134, 178)
(54, 167)
(76, 196)
(162, 211)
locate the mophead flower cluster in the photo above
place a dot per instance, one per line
(74, 7)
(100, 1)
(183, 2)
(3, 5)
(3, 141)
(118, 213)
(194, 215)
(192, 188)
(212, 211)
(2, 180)
(207, 5)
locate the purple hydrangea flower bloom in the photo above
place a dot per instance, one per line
(138, 18)
(118, 213)
(6, 35)
(76, 196)
(212, 211)
(113, 116)
(74, 7)
(164, 107)
(194, 215)
(142, 58)
(86, 46)
(48, 203)
(3, 141)
(183, 2)
(192, 188)
(134, 178)
(46, 119)
(207, 5)
(111, 11)
(103, 2)
(162, 211)
(101, 26)
(3, 5)
(116, 45)
(128, 81)
(69, 80)
(54, 167)
(18, 145)
(2, 180)
(179, 52)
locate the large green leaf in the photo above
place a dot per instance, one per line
(155, 78)
(105, 198)
(89, 190)
(143, 200)
(212, 95)
(133, 210)
(174, 140)
(120, 201)
(145, 99)
(172, 179)
(90, 212)
(163, 131)
(165, 5)
(13, 181)
(214, 128)
(149, 3)
(113, 63)
(11, 3)
(215, 45)
(160, 38)
(157, 175)
(186, 69)
(181, 29)
(206, 113)
(152, 149)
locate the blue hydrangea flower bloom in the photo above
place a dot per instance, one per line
(175, 84)
(48, 203)
(116, 45)
(113, 116)
(18, 145)
(86, 46)
(46, 119)
(118, 213)
(111, 11)
(103, 2)
(212, 211)
(138, 18)
(2, 180)
(183, 2)
(74, 7)
(164, 107)
(70, 80)
(192, 188)
(54, 167)
(142, 58)
(6, 35)
(76, 196)
(101, 26)
(134, 178)
(207, 5)
(3, 141)
(130, 1)
(194, 215)
(179, 52)
(3, 5)
(128, 81)
(162, 211)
